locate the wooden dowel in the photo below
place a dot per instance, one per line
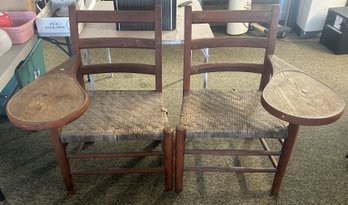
(272, 158)
(119, 171)
(240, 152)
(115, 155)
(229, 169)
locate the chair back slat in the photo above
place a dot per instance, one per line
(229, 16)
(253, 42)
(217, 67)
(116, 42)
(119, 68)
(154, 17)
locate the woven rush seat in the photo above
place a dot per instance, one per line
(230, 113)
(119, 115)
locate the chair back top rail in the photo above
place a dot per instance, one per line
(129, 16)
(85, 16)
(214, 16)
(233, 16)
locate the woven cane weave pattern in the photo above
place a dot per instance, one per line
(119, 115)
(212, 113)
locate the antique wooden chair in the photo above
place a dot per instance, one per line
(58, 102)
(231, 113)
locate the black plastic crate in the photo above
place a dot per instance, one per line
(168, 13)
(335, 32)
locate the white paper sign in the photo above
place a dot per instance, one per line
(338, 22)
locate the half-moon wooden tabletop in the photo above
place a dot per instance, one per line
(299, 98)
(51, 101)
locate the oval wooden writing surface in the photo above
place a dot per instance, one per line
(49, 102)
(298, 98)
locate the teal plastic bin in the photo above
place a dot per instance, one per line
(26, 72)
(10, 88)
(32, 67)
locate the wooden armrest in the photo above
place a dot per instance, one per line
(51, 101)
(299, 98)
(278, 65)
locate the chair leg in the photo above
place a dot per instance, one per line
(59, 149)
(168, 158)
(179, 158)
(285, 157)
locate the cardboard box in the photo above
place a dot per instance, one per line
(17, 5)
(49, 26)
(168, 13)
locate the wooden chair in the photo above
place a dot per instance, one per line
(73, 114)
(231, 113)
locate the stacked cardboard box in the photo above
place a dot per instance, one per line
(17, 5)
